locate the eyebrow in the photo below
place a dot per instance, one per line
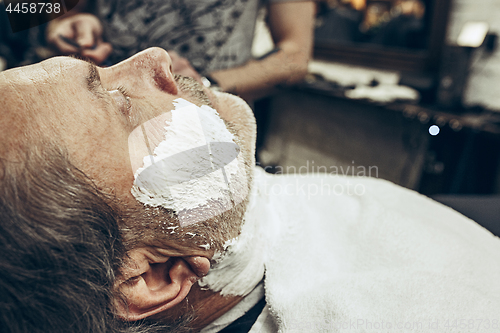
(94, 81)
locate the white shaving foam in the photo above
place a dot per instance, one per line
(241, 266)
(191, 197)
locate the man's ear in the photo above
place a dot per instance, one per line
(153, 283)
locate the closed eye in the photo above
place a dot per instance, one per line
(122, 100)
(119, 94)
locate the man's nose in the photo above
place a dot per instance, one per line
(151, 68)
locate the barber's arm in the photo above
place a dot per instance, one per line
(291, 25)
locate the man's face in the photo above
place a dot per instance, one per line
(91, 111)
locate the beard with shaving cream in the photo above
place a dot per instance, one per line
(207, 208)
(187, 161)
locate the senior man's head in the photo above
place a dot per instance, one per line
(66, 206)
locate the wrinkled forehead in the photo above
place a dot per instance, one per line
(19, 84)
(29, 95)
(15, 109)
(40, 74)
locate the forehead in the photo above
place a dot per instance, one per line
(48, 71)
(31, 94)
(25, 88)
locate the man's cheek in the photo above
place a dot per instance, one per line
(194, 171)
(145, 138)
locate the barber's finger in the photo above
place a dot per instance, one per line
(62, 45)
(182, 66)
(53, 31)
(191, 72)
(59, 37)
(84, 34)
(188, 71)
(194, 74)
(99, 53)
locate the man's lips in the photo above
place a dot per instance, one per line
(199, 265)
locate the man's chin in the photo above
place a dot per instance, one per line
(238, 113)
(152, 226)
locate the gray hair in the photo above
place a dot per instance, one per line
(61, 247)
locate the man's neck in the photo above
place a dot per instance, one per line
(209, 305)
(237, 271)
(201, 308)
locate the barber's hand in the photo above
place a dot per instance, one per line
(79, 34)
(182, 66)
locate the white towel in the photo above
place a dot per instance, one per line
(352, 254)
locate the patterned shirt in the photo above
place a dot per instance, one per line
(211, 34)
